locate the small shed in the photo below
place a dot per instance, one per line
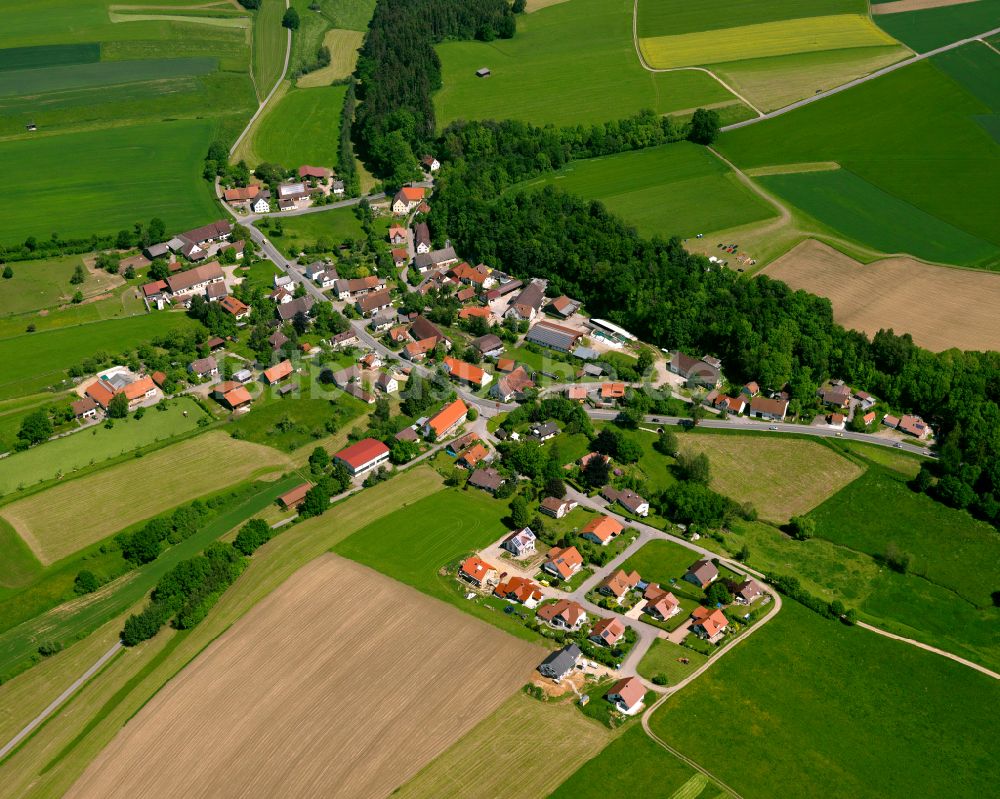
(483, 72)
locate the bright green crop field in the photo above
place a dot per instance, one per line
(677, 189)
(14, 58)
(106, 180)
(977, 68)
(674, 17)
(572, 63)
(34, 361)
(104, 73)
(929, 152)
(303, 128)
(934, 27)
(839, 712)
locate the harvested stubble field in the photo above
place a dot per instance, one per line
(343, 46)
(941, 308)
(278, 705)
(782, 477)
(515, 772)
(60, 520)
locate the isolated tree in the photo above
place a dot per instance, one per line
(36, 427)
(704, 126)
(666, 443)
(319, 459)
(694, 466)
(86, 582)
(159, 270)
(118, 407)
(802, 528)
(596, 473)
(718, 594)
(78, 275)
(519, 514)
(555, 487)
(291, 19)
(8, 272)
(77, 297)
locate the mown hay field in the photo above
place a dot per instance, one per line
(761, 40)
(571, 63)
(677, 189)
(515, 771)
(815, 695)
(941, 308)
(341, 683)
(60, 520)
(343, 46)
(43, 284)
(781, 477)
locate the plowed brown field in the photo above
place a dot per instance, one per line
(940, 307)
(342, 683)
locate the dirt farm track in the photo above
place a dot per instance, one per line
(342, 683)
(940, 307)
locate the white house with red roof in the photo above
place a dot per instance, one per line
(477, 571)
(627, 695)
(363, 455)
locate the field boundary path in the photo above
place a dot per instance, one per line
(929, 648)
(648, 68)
(270, 94)
(878, 73)
(56, 703)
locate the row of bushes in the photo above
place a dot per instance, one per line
(790, 587)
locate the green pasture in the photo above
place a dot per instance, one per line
(838, 711)
(865, 213)
(943, 543)
(644, 768)
(572, 63)
(121, 303)
(43, 284)
(905, 604)
(673, 17)
(929, 151)
(184, 40)
(87, 447)
(107, 180)
(335, 226)
(288, 424)
(302, 128)
(934, 27)
(351, 15)
(660, 561)
(16, 58)
(977, 68)
(35, 361)
(18, 644)
(676, 189)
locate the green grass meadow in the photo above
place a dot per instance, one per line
(928, 152)
(676, 189)
(838, 711)
(642, 768)
(102, 181)
(44, 284)
(661, 561)
(540, 77)
(15, 58)
(35, 361)
(977, 69)
(87, 447)
(303, 128)
(934, 27)
(307, 417)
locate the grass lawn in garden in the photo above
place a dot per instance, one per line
(781, 477)
(541, 362)
(665, 657)
(878, 512)
(47, 765)
(660, 561)
(929, 152)
(329, 228)
(86, 447)
(815, 694)
(675, 189)
(35, 361)
(262, 274)
(300, 126)
(108, 180)
(61, 520)
(929, 28)
(536, 76)
(288, 424)
(649, 770)
(601, 710)
(570, 738)
(43, 284)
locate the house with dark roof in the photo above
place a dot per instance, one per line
(526, 305)
(747, 591)
(702, 573)
(488, 479)
(553, 336)
(289, 310)
(771, 409)
(627, 498)
(696, 371)
(561, 662)
(555, 507)
(490, 345)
